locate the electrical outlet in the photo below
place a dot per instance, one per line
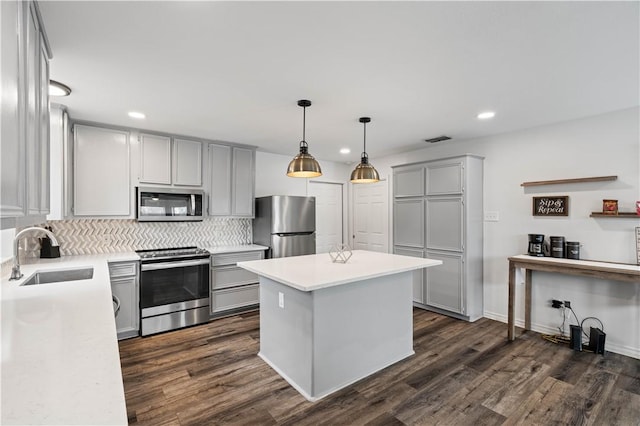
(556, 304)
(491, 216)
(281, 299)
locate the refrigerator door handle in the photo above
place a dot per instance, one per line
(290, 234)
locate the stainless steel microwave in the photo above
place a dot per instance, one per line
(168, 204)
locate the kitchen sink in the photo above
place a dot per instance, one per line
(59, 275)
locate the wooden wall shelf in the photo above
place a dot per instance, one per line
(576, 180)
(628, 215)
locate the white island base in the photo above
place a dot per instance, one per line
(322, 336)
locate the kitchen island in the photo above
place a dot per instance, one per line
(325, 325)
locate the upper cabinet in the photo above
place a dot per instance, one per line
(155, 159)
(101, 171)
(409, 181)
(242, 182)
(25, 114)
(164, 161)
(231, 181)
(187, 162)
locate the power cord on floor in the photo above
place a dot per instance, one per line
(561, 338)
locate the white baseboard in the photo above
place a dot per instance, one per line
(539, 328)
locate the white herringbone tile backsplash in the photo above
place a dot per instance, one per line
(94, 236)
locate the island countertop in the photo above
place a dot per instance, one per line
(317, 271)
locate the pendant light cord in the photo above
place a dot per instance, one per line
(365, 139)
(304, 121)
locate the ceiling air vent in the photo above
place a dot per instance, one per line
(438, 139)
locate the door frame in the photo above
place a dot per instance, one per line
(345, 204)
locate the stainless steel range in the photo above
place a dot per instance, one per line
(174, 288)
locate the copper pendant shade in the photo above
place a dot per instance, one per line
(364, 172)
(304, 165)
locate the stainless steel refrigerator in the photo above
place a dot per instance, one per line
(286, 224)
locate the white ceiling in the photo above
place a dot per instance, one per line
(234, 71)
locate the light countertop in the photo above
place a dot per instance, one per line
(235, 249)
(317, 271)
(60, 358)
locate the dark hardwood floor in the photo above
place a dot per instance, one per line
(461, 374)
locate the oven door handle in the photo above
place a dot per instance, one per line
(170, 265)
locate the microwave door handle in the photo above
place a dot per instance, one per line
(169, 265)
(193, 204)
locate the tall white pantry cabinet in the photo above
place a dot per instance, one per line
(438, 214)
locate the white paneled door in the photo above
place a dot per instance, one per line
(328, 214)
(370, 217)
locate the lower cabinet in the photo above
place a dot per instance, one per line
(233, 289)
(444, 284)
(124, 288)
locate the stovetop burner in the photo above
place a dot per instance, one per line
(172, 253)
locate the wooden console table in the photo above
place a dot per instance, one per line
(586, 268)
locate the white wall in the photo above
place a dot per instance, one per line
(272, 179)
(597, 146)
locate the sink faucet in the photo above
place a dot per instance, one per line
(15, 270)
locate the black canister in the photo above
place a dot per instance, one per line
(573, 250)
(557, 246)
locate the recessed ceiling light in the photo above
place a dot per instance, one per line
(58, 89)
(486, 115)
(138, 115)
(345, 151)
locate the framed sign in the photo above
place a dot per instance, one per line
(551, 206)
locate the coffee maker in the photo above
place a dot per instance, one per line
(536, 245)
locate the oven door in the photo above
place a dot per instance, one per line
(172, 286)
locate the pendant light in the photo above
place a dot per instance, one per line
(304, 165)
(365, 172)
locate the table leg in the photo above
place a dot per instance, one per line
(527, 299)
(511, 325)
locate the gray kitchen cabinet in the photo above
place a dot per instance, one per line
(409, 181)
(452, 231)
(233, 289)
(44, 145)
(242, 182)
(167, 161)
(408, 224)
(125, 287)
(101, 171)
(155, 159)
(32, 104)
(25, 115)
(444, 223)
(219, 180)
(231, 181)
(187, 162)
(444, 289)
